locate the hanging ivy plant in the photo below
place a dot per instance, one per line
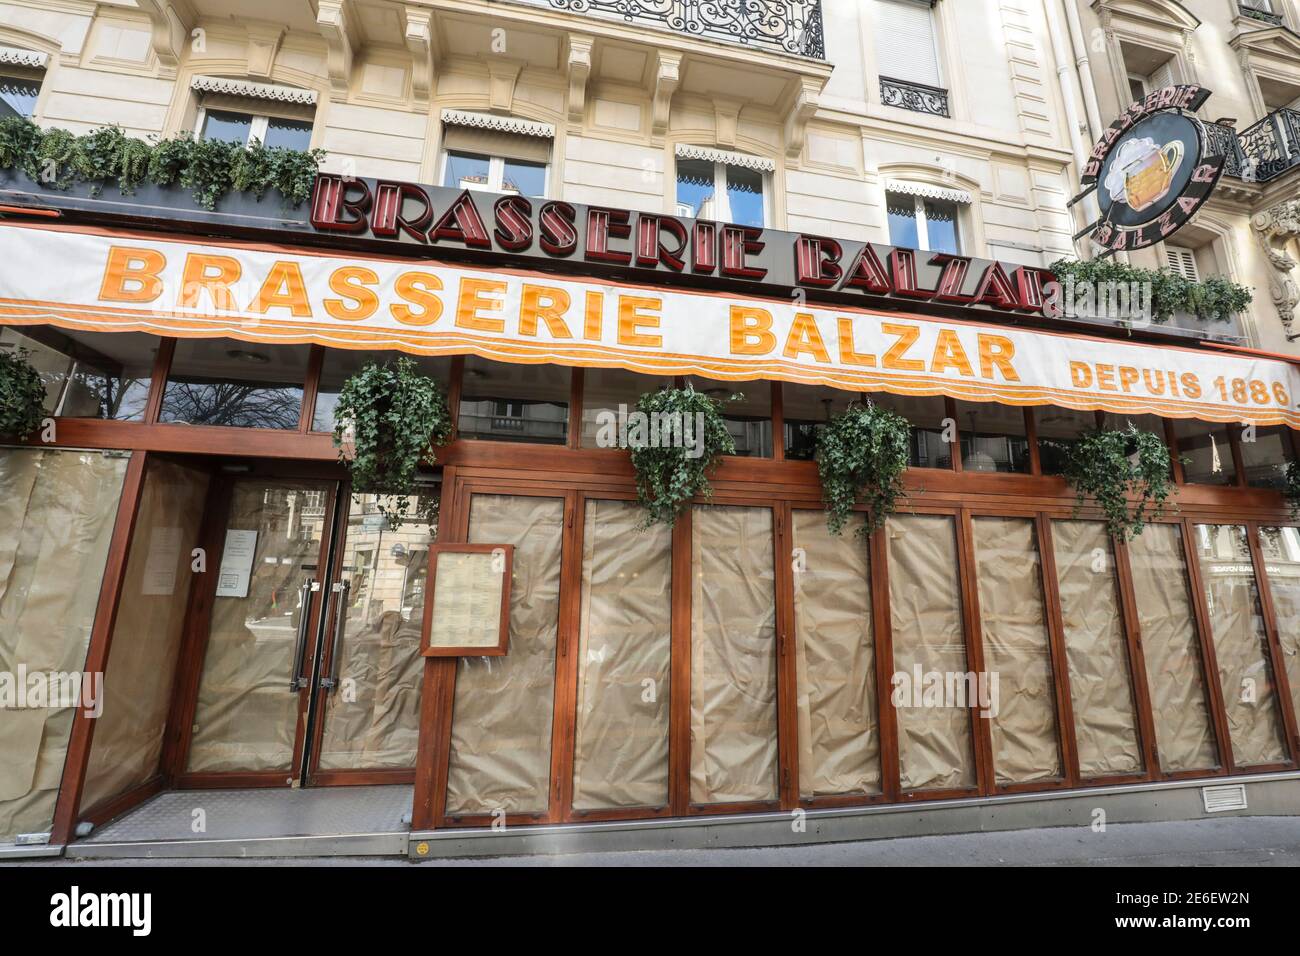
(109, 154)
(673, 469)
(1112, 467)
(388, 418)
(862, 453)
(22, 395)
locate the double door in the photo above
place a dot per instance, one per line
(303, 664)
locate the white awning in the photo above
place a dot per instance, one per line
(498, 124)
(16, 56)
(746, 160)
(927, 190)
(258, 91)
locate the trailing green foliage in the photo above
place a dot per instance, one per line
(1112, 466)
(22, 395)
(862, 453)
(388, 418)
(668, 476)
(209, 168)
(1216, 298)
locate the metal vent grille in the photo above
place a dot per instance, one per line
(1218, 799)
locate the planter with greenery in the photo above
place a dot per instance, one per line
(862, 454)
(388, 419)
(210, 169)
(1215, 299)
(22, 396)
(668, 474)
(1128, 474)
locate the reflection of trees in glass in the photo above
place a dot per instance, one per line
(237, 404)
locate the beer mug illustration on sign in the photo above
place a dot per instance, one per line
(1143, 171)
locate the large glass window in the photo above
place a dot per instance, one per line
(1206, 452)
(340, 364)
(919, 223)
(1281, 547)
(624, 653)
(747, 411)
(18, 96)
(932, 683)
(234, 127)
(720, 191)
(495, 174)
(1059, 429)
(1265, 453)
(808, 407)
(375, 721)
(88, 374)
(503, 707)
(606, 392)
(1179, 706)
(1096, 650)
(993, 437)
(1250, 698)
(835, 659)
(733, 656)
(502, 401)
(1017, 648)
(239, 384)
(57, 510)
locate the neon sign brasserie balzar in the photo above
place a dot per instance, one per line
(740, 659)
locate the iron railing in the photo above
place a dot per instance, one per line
(1262, 11)
(914, 96)
(1260, 152)
(792, 26)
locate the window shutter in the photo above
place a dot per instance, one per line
(1182, 261)
(468, 139)
(1163, 76)
(905, 48)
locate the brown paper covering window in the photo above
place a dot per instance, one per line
(625, 645)
(1013, 623)
(1250, 697)
(934, 743)
(57, 510)
(501, 716)
(1101, 692)
(1184, 739)
(1282, 563)
(835, 660)
(733, 656)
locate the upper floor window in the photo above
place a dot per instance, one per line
(239, 111)
(918, 222)
(232, 127)
(496, 154)
(906, 43)
(18, 96)
(1182, 261)
(728, 187)
(1264, 10)
(1157, 78)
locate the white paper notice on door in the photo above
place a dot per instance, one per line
(160, 566)
(236, 563)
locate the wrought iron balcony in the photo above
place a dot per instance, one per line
(1260, 152)
(792, 26)
(1259, 10)
(914, 96)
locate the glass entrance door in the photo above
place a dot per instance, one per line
(267, 582)
(368, 694)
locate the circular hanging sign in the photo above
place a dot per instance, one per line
(1151, 171)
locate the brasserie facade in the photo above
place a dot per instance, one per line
(181, 530)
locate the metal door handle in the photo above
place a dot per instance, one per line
(343, 588)
(296, 681)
